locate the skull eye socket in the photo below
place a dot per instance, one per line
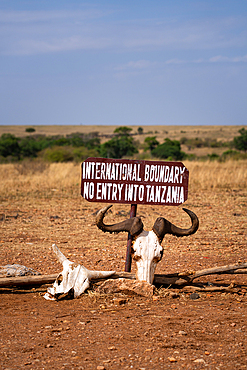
(136, 258)
(157, 259)
(59, 279)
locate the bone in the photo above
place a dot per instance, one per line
(147, 252)
(74, 280)
(147, 249)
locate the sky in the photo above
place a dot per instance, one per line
(123, 62)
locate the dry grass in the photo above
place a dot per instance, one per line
(65, 178)
(216, 175)
(223, 133)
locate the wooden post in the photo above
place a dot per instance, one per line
(129, 242)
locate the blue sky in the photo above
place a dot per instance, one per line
(123, 62)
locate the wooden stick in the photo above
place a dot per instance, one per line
(27, 280)
(181, 278)
(48, 279)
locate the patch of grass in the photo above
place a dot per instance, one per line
(66, 178)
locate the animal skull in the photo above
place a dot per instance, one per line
(147, 257)
(147, 249)
(73, 280)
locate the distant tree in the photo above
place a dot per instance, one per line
(122, 144)
(30, 129)
(9, 146)
(170, 149)
(140, 130)
(240, 142)
(150, 143)
(122, 131)
(29, 147)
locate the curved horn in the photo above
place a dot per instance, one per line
(162, 226)
(132, 225)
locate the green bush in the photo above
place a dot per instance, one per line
(232, 154)
(29, 147)
(150, 143)
(58, 154)
(9, 146)
(200, 143)
(170, 149)
(140, 130)
(120, 146)
(67, 154)
(240, 142)
(30, 129)
(213, 156)
(82, 153)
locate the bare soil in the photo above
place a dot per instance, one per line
(169, 331)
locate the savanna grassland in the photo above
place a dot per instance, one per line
(40, 204)
(222, 134)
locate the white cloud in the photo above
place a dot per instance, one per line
(215, 59)
(222, 59)
(32, 32)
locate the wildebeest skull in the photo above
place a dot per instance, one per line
(147, 249)
(73, 280)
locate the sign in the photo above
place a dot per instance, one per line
(134, 182)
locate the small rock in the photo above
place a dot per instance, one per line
(100, 367)
(194, 296)
(17, 270)
(112, 348)
(199, 361)
(126, 286)
(172, 359)
(181, 332)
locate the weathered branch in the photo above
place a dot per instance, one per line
(189, 276)
(181, 278)
(48, 279)
(229, 269)
(27, 280)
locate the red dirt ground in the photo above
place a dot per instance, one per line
(103, 331)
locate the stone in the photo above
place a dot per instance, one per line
(194, 296)
(199, 361)
(126, 286)
(17, 270)
(172, 359)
